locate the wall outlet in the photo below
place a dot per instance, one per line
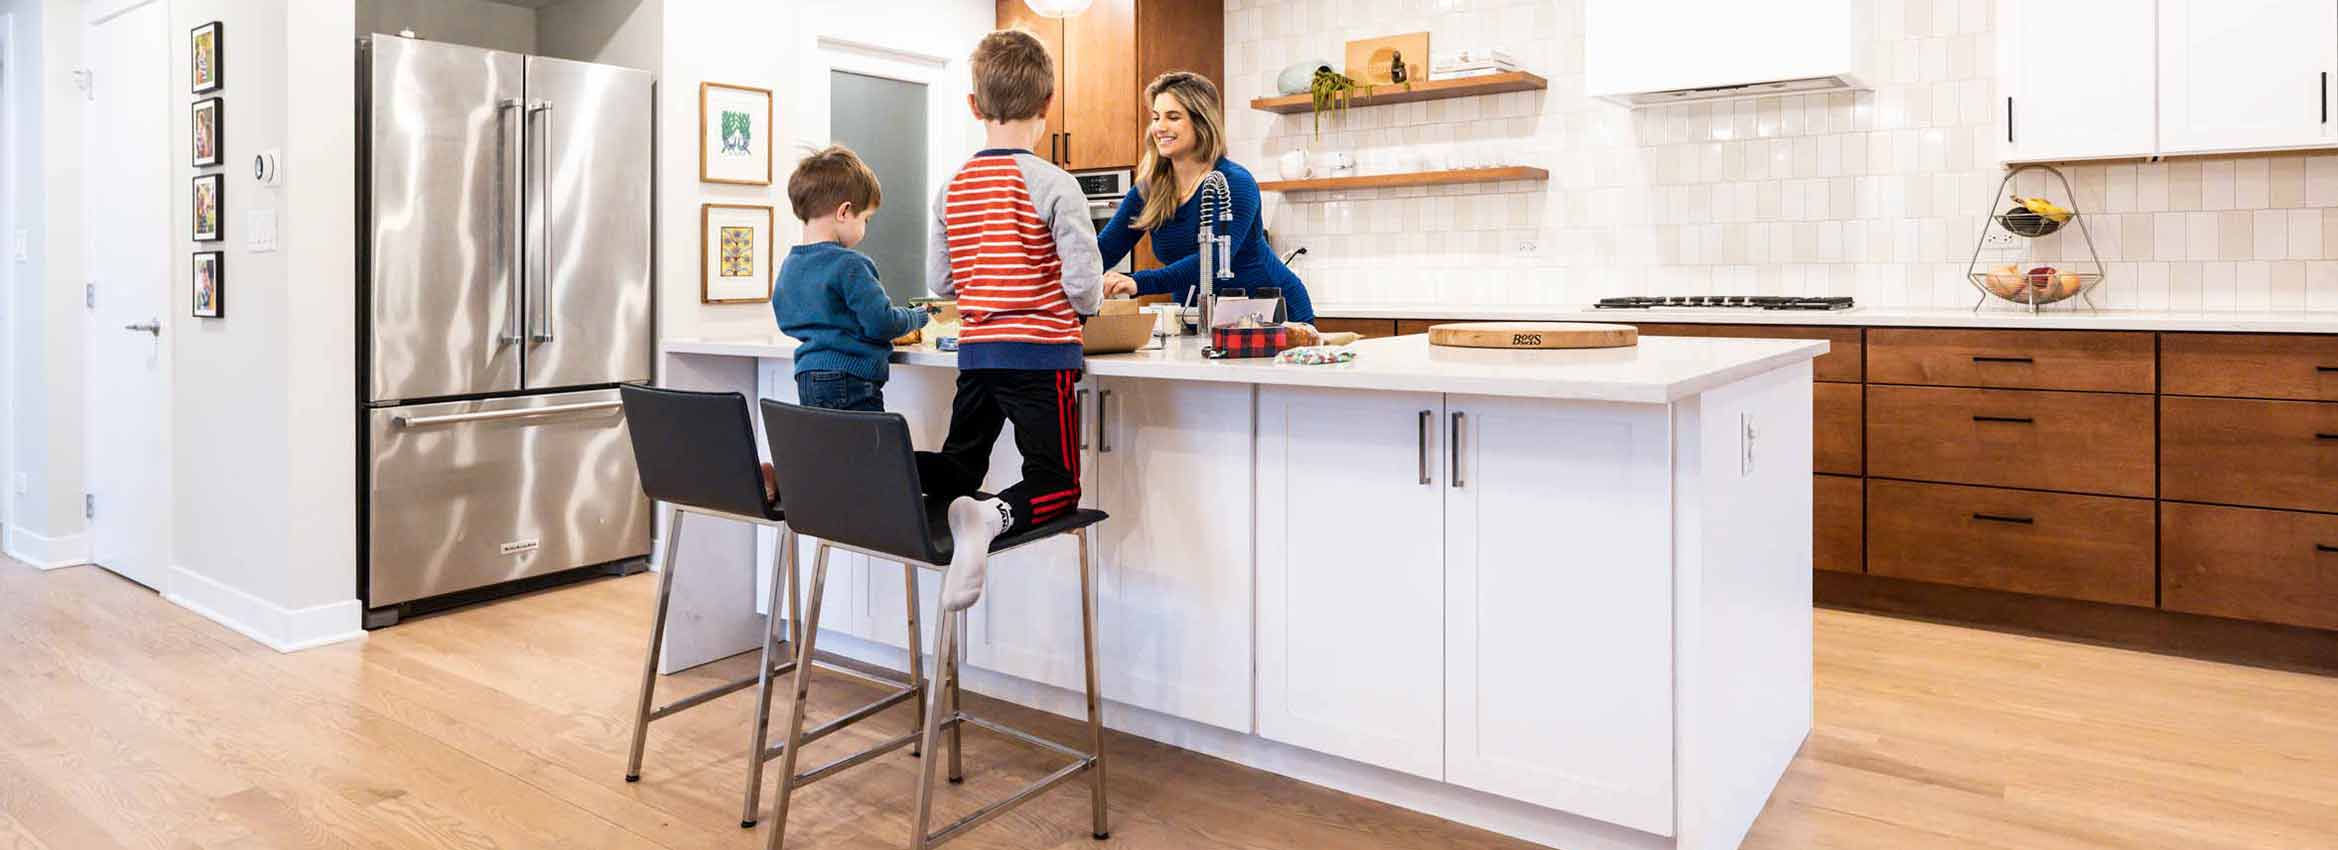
(23, 245)
(1999, 240)
(1526, 247)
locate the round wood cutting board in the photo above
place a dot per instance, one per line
(1533, 335)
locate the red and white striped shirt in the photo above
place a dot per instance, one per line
(1010, 252)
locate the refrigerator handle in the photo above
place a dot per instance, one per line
(515, 154)
(543, 304)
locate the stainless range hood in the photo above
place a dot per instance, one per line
(1804, 85)
(1657, 52)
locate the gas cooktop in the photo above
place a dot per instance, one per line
(1741, 302)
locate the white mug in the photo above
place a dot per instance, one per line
(1294, 165)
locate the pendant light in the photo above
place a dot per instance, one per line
(1058, 8)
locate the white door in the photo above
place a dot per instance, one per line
(129, 234)
(2246, 74)
(1558, 609)
(1176, 475)
(1351, 581)
(2077, 79)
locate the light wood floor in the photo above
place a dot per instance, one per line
(126, 722)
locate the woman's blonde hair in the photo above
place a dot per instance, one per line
(1205, 111)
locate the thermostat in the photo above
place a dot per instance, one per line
(267, 168)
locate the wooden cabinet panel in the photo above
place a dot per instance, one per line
(1368, 328)
(2291, 366)
(1840, 363)
(1098, 88)
(2270, 454)
(2274, 566)
(1838, 426)
(2036, 360)
(1838, 509)
(1414, 327)
(2077, 442)
(2096, 548)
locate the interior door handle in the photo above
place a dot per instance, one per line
(150, 326)
(544, 305)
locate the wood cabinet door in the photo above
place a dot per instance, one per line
(1015, 14)
(2291, 366)
(1557, 535)
(1098, 91)
(2097, 548)
(1175, 471)
(2099, 361)
(2075, 79)
(2271, 566)
(1351, 576)
(1839, 428)
(2267, 454)
(1840, 363)
(2245, 74)
(2039, 439)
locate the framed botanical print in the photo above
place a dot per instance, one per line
(206, 53)
(207, 121)
(734, 134)
(210, 280)
(209, 207)
(735, 262)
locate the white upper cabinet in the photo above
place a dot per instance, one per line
(2076, 78)
(2245, 74)
(1640, 53)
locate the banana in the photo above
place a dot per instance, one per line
(2056, 212)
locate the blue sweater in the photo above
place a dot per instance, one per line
(1255, 263)
(828, 297)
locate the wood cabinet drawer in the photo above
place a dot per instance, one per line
(1838, 426)
(2097, 548)
(1840, 363)
(1366, 328)
(2293, 366)
(2249, 564)
(2036, 360)
(1838, 507)
(2076, 442)
(2270, 454)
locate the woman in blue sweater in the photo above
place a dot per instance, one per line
(1188, 142)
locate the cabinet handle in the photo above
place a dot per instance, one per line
(2325, 547)
(1453, 468)
(2019, 420)
(2009, 120)
(1425, 417)
(1978, 358)
(1103, 421)
(2016, 520)
(1080, 409)
(2326, 368)
(2325, 96)
(2326, 436)
(1067, 148)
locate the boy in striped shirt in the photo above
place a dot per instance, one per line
(1013, 242)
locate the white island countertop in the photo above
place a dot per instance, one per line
(1994, 315)
(1656, 371)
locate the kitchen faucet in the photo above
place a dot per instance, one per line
(1214, 252)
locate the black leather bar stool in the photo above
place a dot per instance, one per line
(696, 453)
(851, 482)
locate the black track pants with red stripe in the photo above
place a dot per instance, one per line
(1047, 427)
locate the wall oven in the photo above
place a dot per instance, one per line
(1104, 189)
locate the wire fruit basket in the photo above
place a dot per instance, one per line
(2034, 283)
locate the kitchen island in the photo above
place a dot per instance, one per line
(1561, 595)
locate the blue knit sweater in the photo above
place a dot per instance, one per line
(1255, 263)
(828, 297)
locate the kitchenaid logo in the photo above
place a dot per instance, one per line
(517, 547)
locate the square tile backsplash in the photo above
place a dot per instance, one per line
(1878, 194)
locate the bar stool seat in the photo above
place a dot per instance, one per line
(937, 513)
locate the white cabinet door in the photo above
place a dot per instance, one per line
(2077, 78)
(1351, 575)
(1558, 606)
(1176, 473)
(2245, 74)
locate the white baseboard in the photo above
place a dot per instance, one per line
(47, 553)
(279, 628)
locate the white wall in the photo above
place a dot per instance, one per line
(479, 23)
(44, 309)
(777, 46)
(611, 32)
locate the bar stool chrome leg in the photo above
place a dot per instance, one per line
(957, 647)
(945, 661)
(1103, 827)
(801, 689)
(916, 644)
(783, 577)
(657, 641)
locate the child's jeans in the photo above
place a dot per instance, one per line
(839, 391)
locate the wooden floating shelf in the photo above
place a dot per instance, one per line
(1423, 178)
(1426, 90)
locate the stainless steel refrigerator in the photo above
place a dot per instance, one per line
(505, 289)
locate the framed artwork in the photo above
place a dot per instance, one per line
(734, 134)
(735, 261)
(208, 122)
(210, 279)
(210, 204)
(205, 54)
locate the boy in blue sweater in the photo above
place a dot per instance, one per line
(827, 294)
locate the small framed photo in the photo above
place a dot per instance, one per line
(734, 134)
(209, 207)
(210, 281)
(208, 123)
(735, 265)
(206, 54)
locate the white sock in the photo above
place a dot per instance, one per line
(973, 525)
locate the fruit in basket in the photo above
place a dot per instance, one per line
(2052, 211)
(2070, 284)
(2005, 281)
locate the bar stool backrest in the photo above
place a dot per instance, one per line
(696, 449)
(850, 477)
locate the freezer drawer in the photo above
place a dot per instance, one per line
(469, 494)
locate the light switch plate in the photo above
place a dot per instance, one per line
(23, 245)
(260, 231)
